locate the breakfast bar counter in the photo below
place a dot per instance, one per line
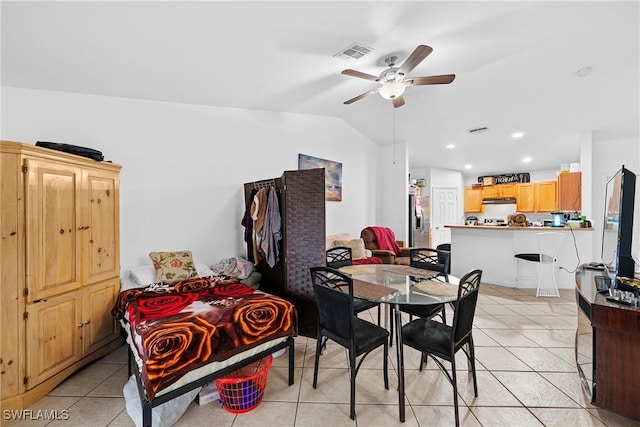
(492, 249)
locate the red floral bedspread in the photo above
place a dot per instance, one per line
(181, 327)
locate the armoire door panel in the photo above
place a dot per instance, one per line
(101, 235)
(54, 332)
(99, 327)
(51, 228)
(11, 274)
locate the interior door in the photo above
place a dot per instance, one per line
(444, 212)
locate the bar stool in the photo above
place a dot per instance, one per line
(549, 244)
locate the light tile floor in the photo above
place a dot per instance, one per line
(525, 368)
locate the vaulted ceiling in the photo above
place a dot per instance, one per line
(516, 66)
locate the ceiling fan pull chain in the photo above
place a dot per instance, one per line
(394, 136)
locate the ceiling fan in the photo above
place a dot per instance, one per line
(393, 81)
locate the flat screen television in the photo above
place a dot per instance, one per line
(617, 229)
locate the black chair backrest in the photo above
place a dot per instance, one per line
(333, 292)
(465, 306)
(429, 259)
(446, 249)
(339, 256)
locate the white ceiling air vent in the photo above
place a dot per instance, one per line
(478, 130)
(353, 52)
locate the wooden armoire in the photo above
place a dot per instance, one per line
(301, 198)
(60, 267)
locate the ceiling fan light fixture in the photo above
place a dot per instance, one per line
(392, 89)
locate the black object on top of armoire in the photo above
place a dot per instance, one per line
(301, 196)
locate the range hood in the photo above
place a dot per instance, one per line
(499, 201)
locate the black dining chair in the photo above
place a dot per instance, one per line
(340, 256)
(333, 293)
(441, 342)
(428, 259)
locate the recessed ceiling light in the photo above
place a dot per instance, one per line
(526, 159)
(467, 166)
(583, 72)
(451, 146)
(517, 135)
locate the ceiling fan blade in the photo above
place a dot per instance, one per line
(430, 80)
(398, 101)
(362, 95)
(414, 59)
(360, 74)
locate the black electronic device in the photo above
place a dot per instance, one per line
(617, 228)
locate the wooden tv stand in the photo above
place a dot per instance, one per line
(609, 370)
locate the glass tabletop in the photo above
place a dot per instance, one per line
(401, 284)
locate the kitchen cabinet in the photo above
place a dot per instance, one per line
(526, 197)
(60, 267)
(490, 191)
(546, 198)
(473, 200)
(570, 191)
(508, 190)
(530, 196)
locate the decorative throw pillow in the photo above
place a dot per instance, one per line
(172, 267)
(144, 275)
(356, 245)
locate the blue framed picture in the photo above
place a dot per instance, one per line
(332, 175)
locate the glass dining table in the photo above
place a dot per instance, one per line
(397, 285)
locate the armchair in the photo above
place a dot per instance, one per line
(391, 251)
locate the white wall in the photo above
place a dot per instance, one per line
(184, 166)
(608, 157)
(393, 189)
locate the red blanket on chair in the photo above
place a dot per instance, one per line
(386, 239)
(364, 261)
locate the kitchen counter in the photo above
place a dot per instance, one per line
(509, 228)
(492, 249)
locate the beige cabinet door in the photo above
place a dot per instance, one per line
(546, 196)
(99, 327)
(52, 248)
(53, 334)
(100, 229)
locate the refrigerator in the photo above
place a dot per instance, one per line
(419, 221)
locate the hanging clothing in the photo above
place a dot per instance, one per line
(258, 213)
(272, 229)
(247, 222)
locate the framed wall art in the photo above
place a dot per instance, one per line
(332, 175)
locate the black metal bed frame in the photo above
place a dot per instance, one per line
(147, 404)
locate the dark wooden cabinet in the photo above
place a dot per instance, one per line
(616, 347)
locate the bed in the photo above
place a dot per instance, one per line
(188, 333)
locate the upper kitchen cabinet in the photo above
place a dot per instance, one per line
(508, 190)
(526, 197)
(546, 198)
(570, 191)
(490, 191)
(473, 199)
